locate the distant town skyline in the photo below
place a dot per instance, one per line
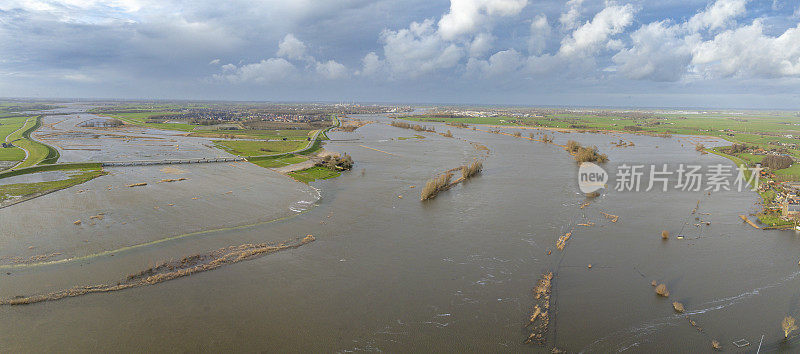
(636, 53)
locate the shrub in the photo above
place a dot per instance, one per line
(435, 185)
(337, 163)
(661, 289)
(573, 146)
(735, 149)
(590, 154)
(472, 169)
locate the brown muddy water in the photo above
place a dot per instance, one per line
(456, 273)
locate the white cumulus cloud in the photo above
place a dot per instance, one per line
(268, 70)
(747, 51)
(717, 15)
(466, 16)
(657, 54)
(331, 70)
(571, 19)
(418, 50)
(540, 32)
(500, 63)
(292, 48)
(596, 34)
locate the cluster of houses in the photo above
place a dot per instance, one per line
(788, 200)
(239, 115)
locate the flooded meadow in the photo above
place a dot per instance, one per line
(388, 272)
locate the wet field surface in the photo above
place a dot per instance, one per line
(385, 273)
(78, 143)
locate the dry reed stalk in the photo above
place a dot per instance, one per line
(562, 241)
(472, 169)
(167, 271)
(611, 217)
(788, 326)
(542, 295)
(715, 344)
(435, 185)
(168, 180)
(661, 289)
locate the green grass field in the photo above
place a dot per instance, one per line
(8, 126)
(313, 174)
(746, 124)
(750, 158)
(278, 161)
(256, 148)
(37, 152)
(24, 189)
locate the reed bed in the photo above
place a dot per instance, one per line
(562, 241)
(170, 180)
(611, 217)
(480, 147)
(661, 289)
(468, 171)
(457, 124)
(435, 185)
(788, 326)
(585, 153)
(416, 127)
(541, 309)
(715, 344)
(167, 271)
(444, 181)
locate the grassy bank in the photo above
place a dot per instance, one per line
(23, 190)
(277, 161)
(37, 152)
(314, 173)
(257, 148)
(54, 167)
(8, 126)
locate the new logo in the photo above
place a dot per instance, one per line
(591, 178)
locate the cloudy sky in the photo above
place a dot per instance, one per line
(653, 53)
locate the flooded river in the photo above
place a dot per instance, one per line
(452, 274)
